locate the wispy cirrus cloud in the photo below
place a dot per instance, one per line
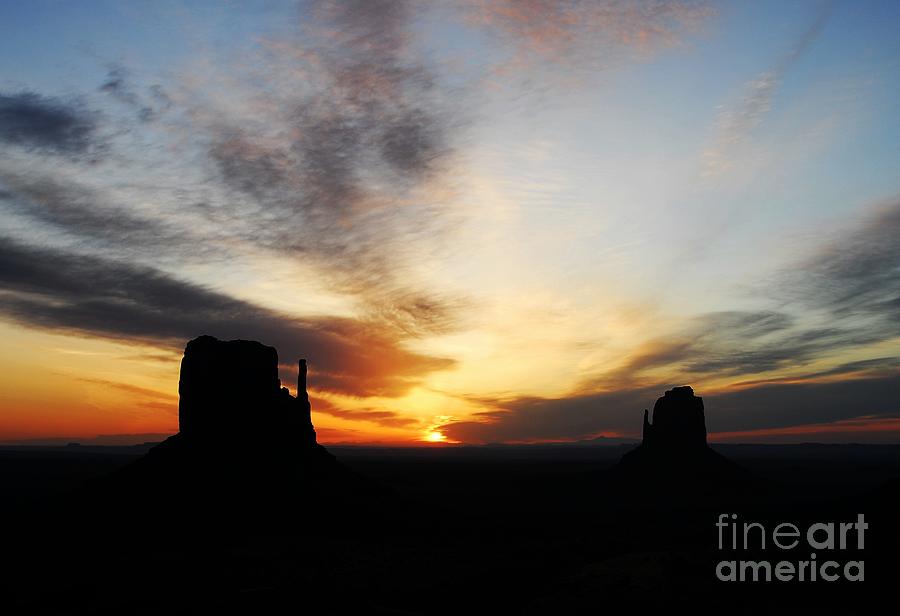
(735, 124)
(147, 105)
(583, 33)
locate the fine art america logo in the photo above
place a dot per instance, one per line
(825, 541)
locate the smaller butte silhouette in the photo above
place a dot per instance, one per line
(674, 456)
(245, 446)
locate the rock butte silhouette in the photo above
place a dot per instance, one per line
(674, 455)
(678, 422)
(244, 445)
(230, 393)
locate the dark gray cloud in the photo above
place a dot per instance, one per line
(80, 211)
(841, 297)
(147, 105)
(784, 405)
(722, 353)
(573, 418)
(855, 276)
(116, 86)
(768, 406)
(742, 324)
(748, 342)
(370, 112)
(56, 290)
(46, 124)
(851, 285)
(876, 367)
(731, 343)
(873, 365)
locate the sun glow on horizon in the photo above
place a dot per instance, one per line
(435, 436)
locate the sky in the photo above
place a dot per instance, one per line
(481, 221)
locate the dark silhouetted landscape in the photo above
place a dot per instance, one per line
(243, 511)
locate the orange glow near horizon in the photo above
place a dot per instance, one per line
(63, 386)
(849, 428)
(435, 437)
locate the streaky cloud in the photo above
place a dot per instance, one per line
(381, 417)
(578, 31)
(856, 275)
(82, 212)
(735, 124)
(58, 290)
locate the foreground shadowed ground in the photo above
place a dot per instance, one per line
(529, 529)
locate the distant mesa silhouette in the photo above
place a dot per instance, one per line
(245, 445)
(674, 454)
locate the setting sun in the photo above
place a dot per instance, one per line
(435, 437)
